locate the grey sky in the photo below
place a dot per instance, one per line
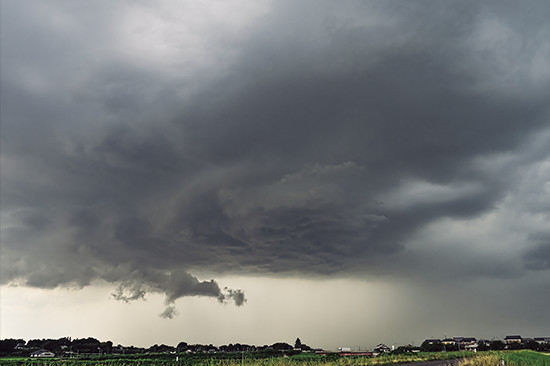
(145, 143)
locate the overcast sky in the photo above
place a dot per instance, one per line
(256, 171)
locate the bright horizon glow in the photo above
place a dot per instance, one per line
(288, 308)
(355, 313)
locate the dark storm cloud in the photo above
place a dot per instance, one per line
(323, 147)
(537, 257)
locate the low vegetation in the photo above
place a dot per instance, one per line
(492, 358)
(510, 358)
(90, 351)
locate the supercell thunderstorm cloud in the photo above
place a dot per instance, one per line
(142, 145)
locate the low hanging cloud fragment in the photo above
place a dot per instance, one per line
(169, 313)
(174, 285)
(128, 294)
(236, 295)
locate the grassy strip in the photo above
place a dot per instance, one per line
(492, 358)
(416, 357)
(511, 358)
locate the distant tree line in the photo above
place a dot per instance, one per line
(86, 346)
(59, 346)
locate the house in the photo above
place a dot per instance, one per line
(382, 348)
(463, 342)
(512, 339)
(448, 341)
(542, 340)
(469, 341)
(470, 344)
(42, 353)
(432, 341)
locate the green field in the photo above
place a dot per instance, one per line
(492, 358)
(511, 358)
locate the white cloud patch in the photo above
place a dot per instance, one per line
(420, 193)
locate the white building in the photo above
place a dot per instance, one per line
(42, 353)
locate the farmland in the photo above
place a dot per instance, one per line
(510, 358)
(515, 358)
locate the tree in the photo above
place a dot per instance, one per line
(35, 343)
(405, 349)
(450, 347)
(298, 344)
(431, 346)
(532, 345)
(483, 347)
(163, 348)
(107, 347)
(281, 346)
(497, 345)
(8, 345)
(182, 347)
(86, 345)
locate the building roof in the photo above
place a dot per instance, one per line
(513, 337)
(41, 351)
